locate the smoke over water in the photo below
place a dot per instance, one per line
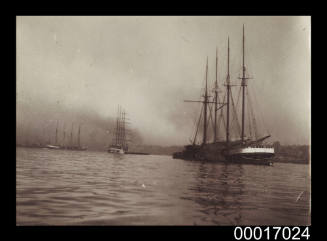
(79, 69)
(37, 123)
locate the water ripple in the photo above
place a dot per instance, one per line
(57, 187)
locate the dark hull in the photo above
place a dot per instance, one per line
(250, 160)
(74, 148)
(67, 148)
(216, 152)
(137, 153)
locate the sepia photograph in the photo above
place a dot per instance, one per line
(163, 120)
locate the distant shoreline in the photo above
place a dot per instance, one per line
(284, 154)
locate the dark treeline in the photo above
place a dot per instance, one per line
(292, 153)
(157, 150)
(284, 153)
(98, 139)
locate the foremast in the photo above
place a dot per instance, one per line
(228, 94)
(216, 98)
(79, 134)
(243, 84)
(205, 103)
(71, 135)
(205, 107)
(56, 140)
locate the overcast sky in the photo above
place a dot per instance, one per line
(150, 65)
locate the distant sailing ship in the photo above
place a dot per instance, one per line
(71, 146)
(119, 142)
(242, 150)
(55, 145)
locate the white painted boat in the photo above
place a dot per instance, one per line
(116, 149)
(52, 147)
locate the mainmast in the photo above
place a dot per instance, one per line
(56, 133)
(71, 135)
(205, 108)
(79, 133)
(44, 135)
(120, 126)
(120, 132)
(117, 126)
(123, 130)
(64, 135)
(243, 84)
(50, 134)
(228, 90)
(216, 98)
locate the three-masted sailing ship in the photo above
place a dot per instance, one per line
(119, 143)
(244, 149)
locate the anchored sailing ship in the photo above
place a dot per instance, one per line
(119, 142)
(241, 150)
(55, 145)
(71, 146)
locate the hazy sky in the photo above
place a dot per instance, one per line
(149, 65)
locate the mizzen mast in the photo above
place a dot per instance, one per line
(64, 135)
(205, 108)
(243, 84)
(56, 140)
(117, 127)
(79, 133)
(71, 135)
(216, 98)
(228, 90)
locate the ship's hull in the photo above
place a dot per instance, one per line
(52, 147)
(116, 150)
(209, 152)
(66, 148)
(217, 152)
(137, 153)
(249, 160)
(75, 148)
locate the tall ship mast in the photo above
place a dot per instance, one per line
(119, 143)
(55, 145)
(64, 137)
(77, 147)
(237, 147)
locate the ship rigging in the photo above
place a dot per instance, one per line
(119, 143)
(244, 149)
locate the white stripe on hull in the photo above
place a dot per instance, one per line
(252, 150)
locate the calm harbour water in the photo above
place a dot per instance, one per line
(61, 187)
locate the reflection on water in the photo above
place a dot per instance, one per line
(218, 190)
(60, 187)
